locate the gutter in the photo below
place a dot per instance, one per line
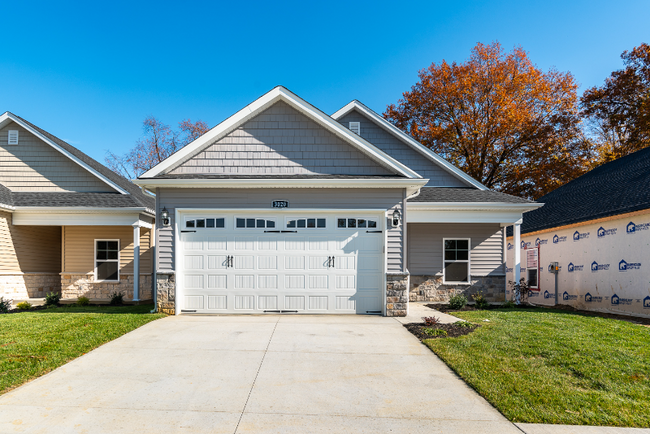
(473, 206)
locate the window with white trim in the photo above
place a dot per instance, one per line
(456, 260)
(254, 223)
(207, 223)
(354, 223)
(107, 260)
(306, 223)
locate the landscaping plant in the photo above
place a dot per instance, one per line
(458, 301)
(435, 332)
(24, 305)
(508, 304)
(117, 299)
(464, 324)
(480, 301)
(52, 299)
(5, 305)
(83, 301)
(430, 320)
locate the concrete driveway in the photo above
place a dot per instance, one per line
(262, 374)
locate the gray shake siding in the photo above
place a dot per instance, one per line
(402, 152)
(280, 140)
(33, 165)
(261, 198)
(425, 247)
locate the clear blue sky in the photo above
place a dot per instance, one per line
(90, 72)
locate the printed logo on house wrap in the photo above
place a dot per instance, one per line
(539, 242)
(577, 236)
(602, 232)
(510, 246)
(566, 296)
(593, 298)
(633, 228)
(595, 266)
(547, 294)
(558, 239)
(533, 294)
(626, 266)
(573, 267)
(524, 244)
(646, 302)
(509, 270)
(616, 300)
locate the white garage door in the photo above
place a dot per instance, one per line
(306, 263)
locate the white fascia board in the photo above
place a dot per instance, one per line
(23, 216)
(259, 105)
(411, 185)
(7, 208)
(467, 212)
(401, 135)
(7, 115)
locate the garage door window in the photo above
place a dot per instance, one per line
(306, 223)
(254, 223)
(205, 223)
(107, 260)
(456, 262)
(353, 223)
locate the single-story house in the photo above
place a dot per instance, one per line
(282, 208)
(67, 223)
(597, 229)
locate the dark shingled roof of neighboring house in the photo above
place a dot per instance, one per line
(618, 187)
(5, 196)
(137, 197)
(454, 194)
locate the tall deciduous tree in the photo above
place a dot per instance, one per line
(619, 111)
(158, 143)
(499, 118)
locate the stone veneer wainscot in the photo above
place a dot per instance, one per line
(431, 288)
(29, 285)
(74, 286)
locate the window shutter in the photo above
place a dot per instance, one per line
(355, 127)
(13, 137)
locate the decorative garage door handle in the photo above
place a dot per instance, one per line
(187, 231)
(374, 232)
(330, 261)
(229, 261)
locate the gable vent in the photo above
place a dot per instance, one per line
(355, 127)
(13, 137)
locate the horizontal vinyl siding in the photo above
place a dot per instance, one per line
(33, 165)
(395, 244)
(402, 152)
(425, 247)
(281, 140)
(261, 198)
(79, 247)
(35, 249)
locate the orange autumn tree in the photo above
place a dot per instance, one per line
(158, 143)
(499, 118)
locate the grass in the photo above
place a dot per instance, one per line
(34, 343)
(546, 366)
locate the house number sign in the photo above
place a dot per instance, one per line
(280, 204)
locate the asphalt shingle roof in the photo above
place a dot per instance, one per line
(453, 194)
(100, 200)
(618, 187)
(6, 197)
(137, 197)
(316, 176)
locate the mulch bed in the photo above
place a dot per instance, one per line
(453, 331)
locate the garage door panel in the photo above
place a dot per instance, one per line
(294, 302)
(194, 301)
(369, 263)
(318, 302)
(216, 243)
(368, 304)
(318, 243)
(193, 262)
(293, 244)
(244, 302)
(267, 262)
(368, 282)
(345, 263)
(244, 281)
(293, 281)
(319, 281)
(267, 281)
(191, 245)
(345, 282)
(219, 302)
(217, 262)
(244, 243)
(217, 281)
(319, 262)
(267, 302)
(267, 244)
(194, 281)
(345, 303)
(294, 262)
(241, 262)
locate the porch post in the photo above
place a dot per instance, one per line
(517, 248)
(136, 261)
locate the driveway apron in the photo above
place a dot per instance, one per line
(254, 374)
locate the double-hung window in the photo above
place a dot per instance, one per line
(456, 260)
(107, 260)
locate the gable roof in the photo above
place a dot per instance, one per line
(465, 195)
(410, 141)
(279, 93)
(6, 198)
(122, 185)
(617, 187)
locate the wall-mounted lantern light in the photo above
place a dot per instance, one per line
(164, 215)
(396, 218)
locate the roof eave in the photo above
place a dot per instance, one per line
(472, 206)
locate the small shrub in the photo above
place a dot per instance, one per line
(464, 324)
(52, 299)
(5, 305)
(508, 304)
(83, 301)
(458, 301)
(117, 298)
(435, 332)
(480, 301)
(430, 320)
(24, 305)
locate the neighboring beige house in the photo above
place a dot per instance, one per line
(67, 223)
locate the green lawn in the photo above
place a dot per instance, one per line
(549, 366)
(34, 343)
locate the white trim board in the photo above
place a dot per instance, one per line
(8, 116)
(401, 135)
(76, 219)
(279, 93)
